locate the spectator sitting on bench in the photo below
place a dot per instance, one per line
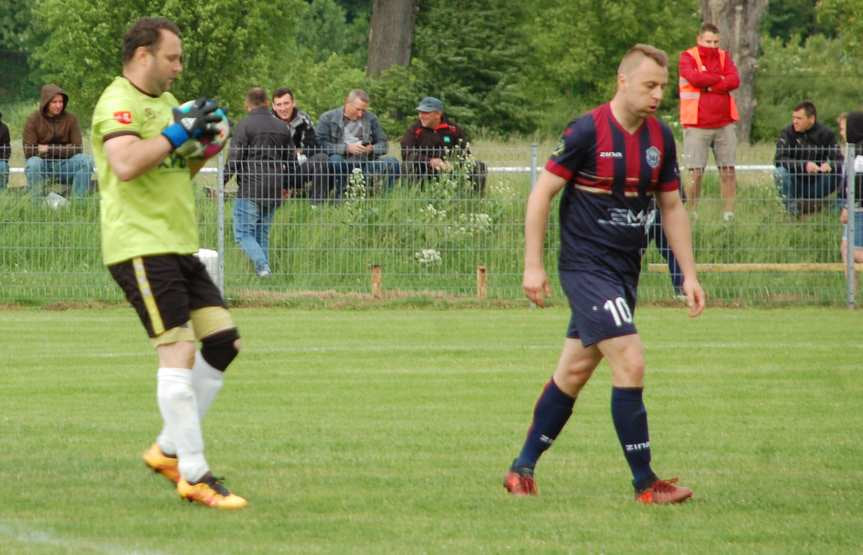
(433, 143)
(53, 146)
(808, 162)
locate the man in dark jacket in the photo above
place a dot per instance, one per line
(260, 149)
(807, 160)
(307, 163)
(5, 151)
(435, 145)
(53, 146)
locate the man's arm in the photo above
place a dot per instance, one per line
(675, 224)
(326, 141)
(690, 71)
(380, 141)
(535, 280)
(73, 142)
(130, 156)
(29, 137)
(730, 77)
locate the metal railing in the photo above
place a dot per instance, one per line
(347, 227)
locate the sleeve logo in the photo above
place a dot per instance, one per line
(123, 117)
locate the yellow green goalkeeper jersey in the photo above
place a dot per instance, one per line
(155, 212)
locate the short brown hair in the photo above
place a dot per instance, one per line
(808, 107)
(282, 91)
(256, 96)
(634, 55)
(708, 28)
(147, 32)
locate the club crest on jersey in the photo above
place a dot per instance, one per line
(558, 150)
(123, 117)
(652, 155)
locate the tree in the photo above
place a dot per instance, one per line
(739, 22)
(229, 45)
(578, 44)
(390, 34)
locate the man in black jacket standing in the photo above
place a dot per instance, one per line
(260, 149)
(808, 161)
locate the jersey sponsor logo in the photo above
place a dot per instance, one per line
(624, 217)
(652, 155)
(610, 154)
(124, 117)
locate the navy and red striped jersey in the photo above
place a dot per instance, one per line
(611, 176)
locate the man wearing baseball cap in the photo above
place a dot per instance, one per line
(435, 145)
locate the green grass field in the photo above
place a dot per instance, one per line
(369, 431)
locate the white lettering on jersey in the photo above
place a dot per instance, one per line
(624, 217)
(610, 154)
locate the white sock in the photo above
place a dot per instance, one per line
(206, 382)
(182, 425)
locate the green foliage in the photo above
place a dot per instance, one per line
(818, 69)
(475, 60)
(322, 86)
(15, 17)
(786, 19)
(227, 44)
(324, 29)
(847, 17)
(580, 42)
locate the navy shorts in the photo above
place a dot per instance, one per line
(602, 303)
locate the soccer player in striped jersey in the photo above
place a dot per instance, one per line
(609, 164)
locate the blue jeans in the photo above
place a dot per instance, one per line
(341, 168)
(252, 221)
(800, 192)
(4, 174)
(75, 171)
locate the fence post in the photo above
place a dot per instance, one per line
(850, 274)
(220, 223)
(376, 281)
(480, 282)
(533, 161)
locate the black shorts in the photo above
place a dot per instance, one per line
(165, 288)
(602, 303)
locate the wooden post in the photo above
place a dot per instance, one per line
(480, 282)
(376, 281)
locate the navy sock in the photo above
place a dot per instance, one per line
(550, 414)
(630, 421)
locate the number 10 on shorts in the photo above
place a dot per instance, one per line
(619, 310)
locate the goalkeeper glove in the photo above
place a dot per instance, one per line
(193, 122)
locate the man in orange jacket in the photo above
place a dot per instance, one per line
(707, 113)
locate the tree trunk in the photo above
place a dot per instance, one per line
(738, 22)
(391, 34)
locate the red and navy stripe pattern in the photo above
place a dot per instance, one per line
(611, 175)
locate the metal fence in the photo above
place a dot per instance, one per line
(404, 228)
